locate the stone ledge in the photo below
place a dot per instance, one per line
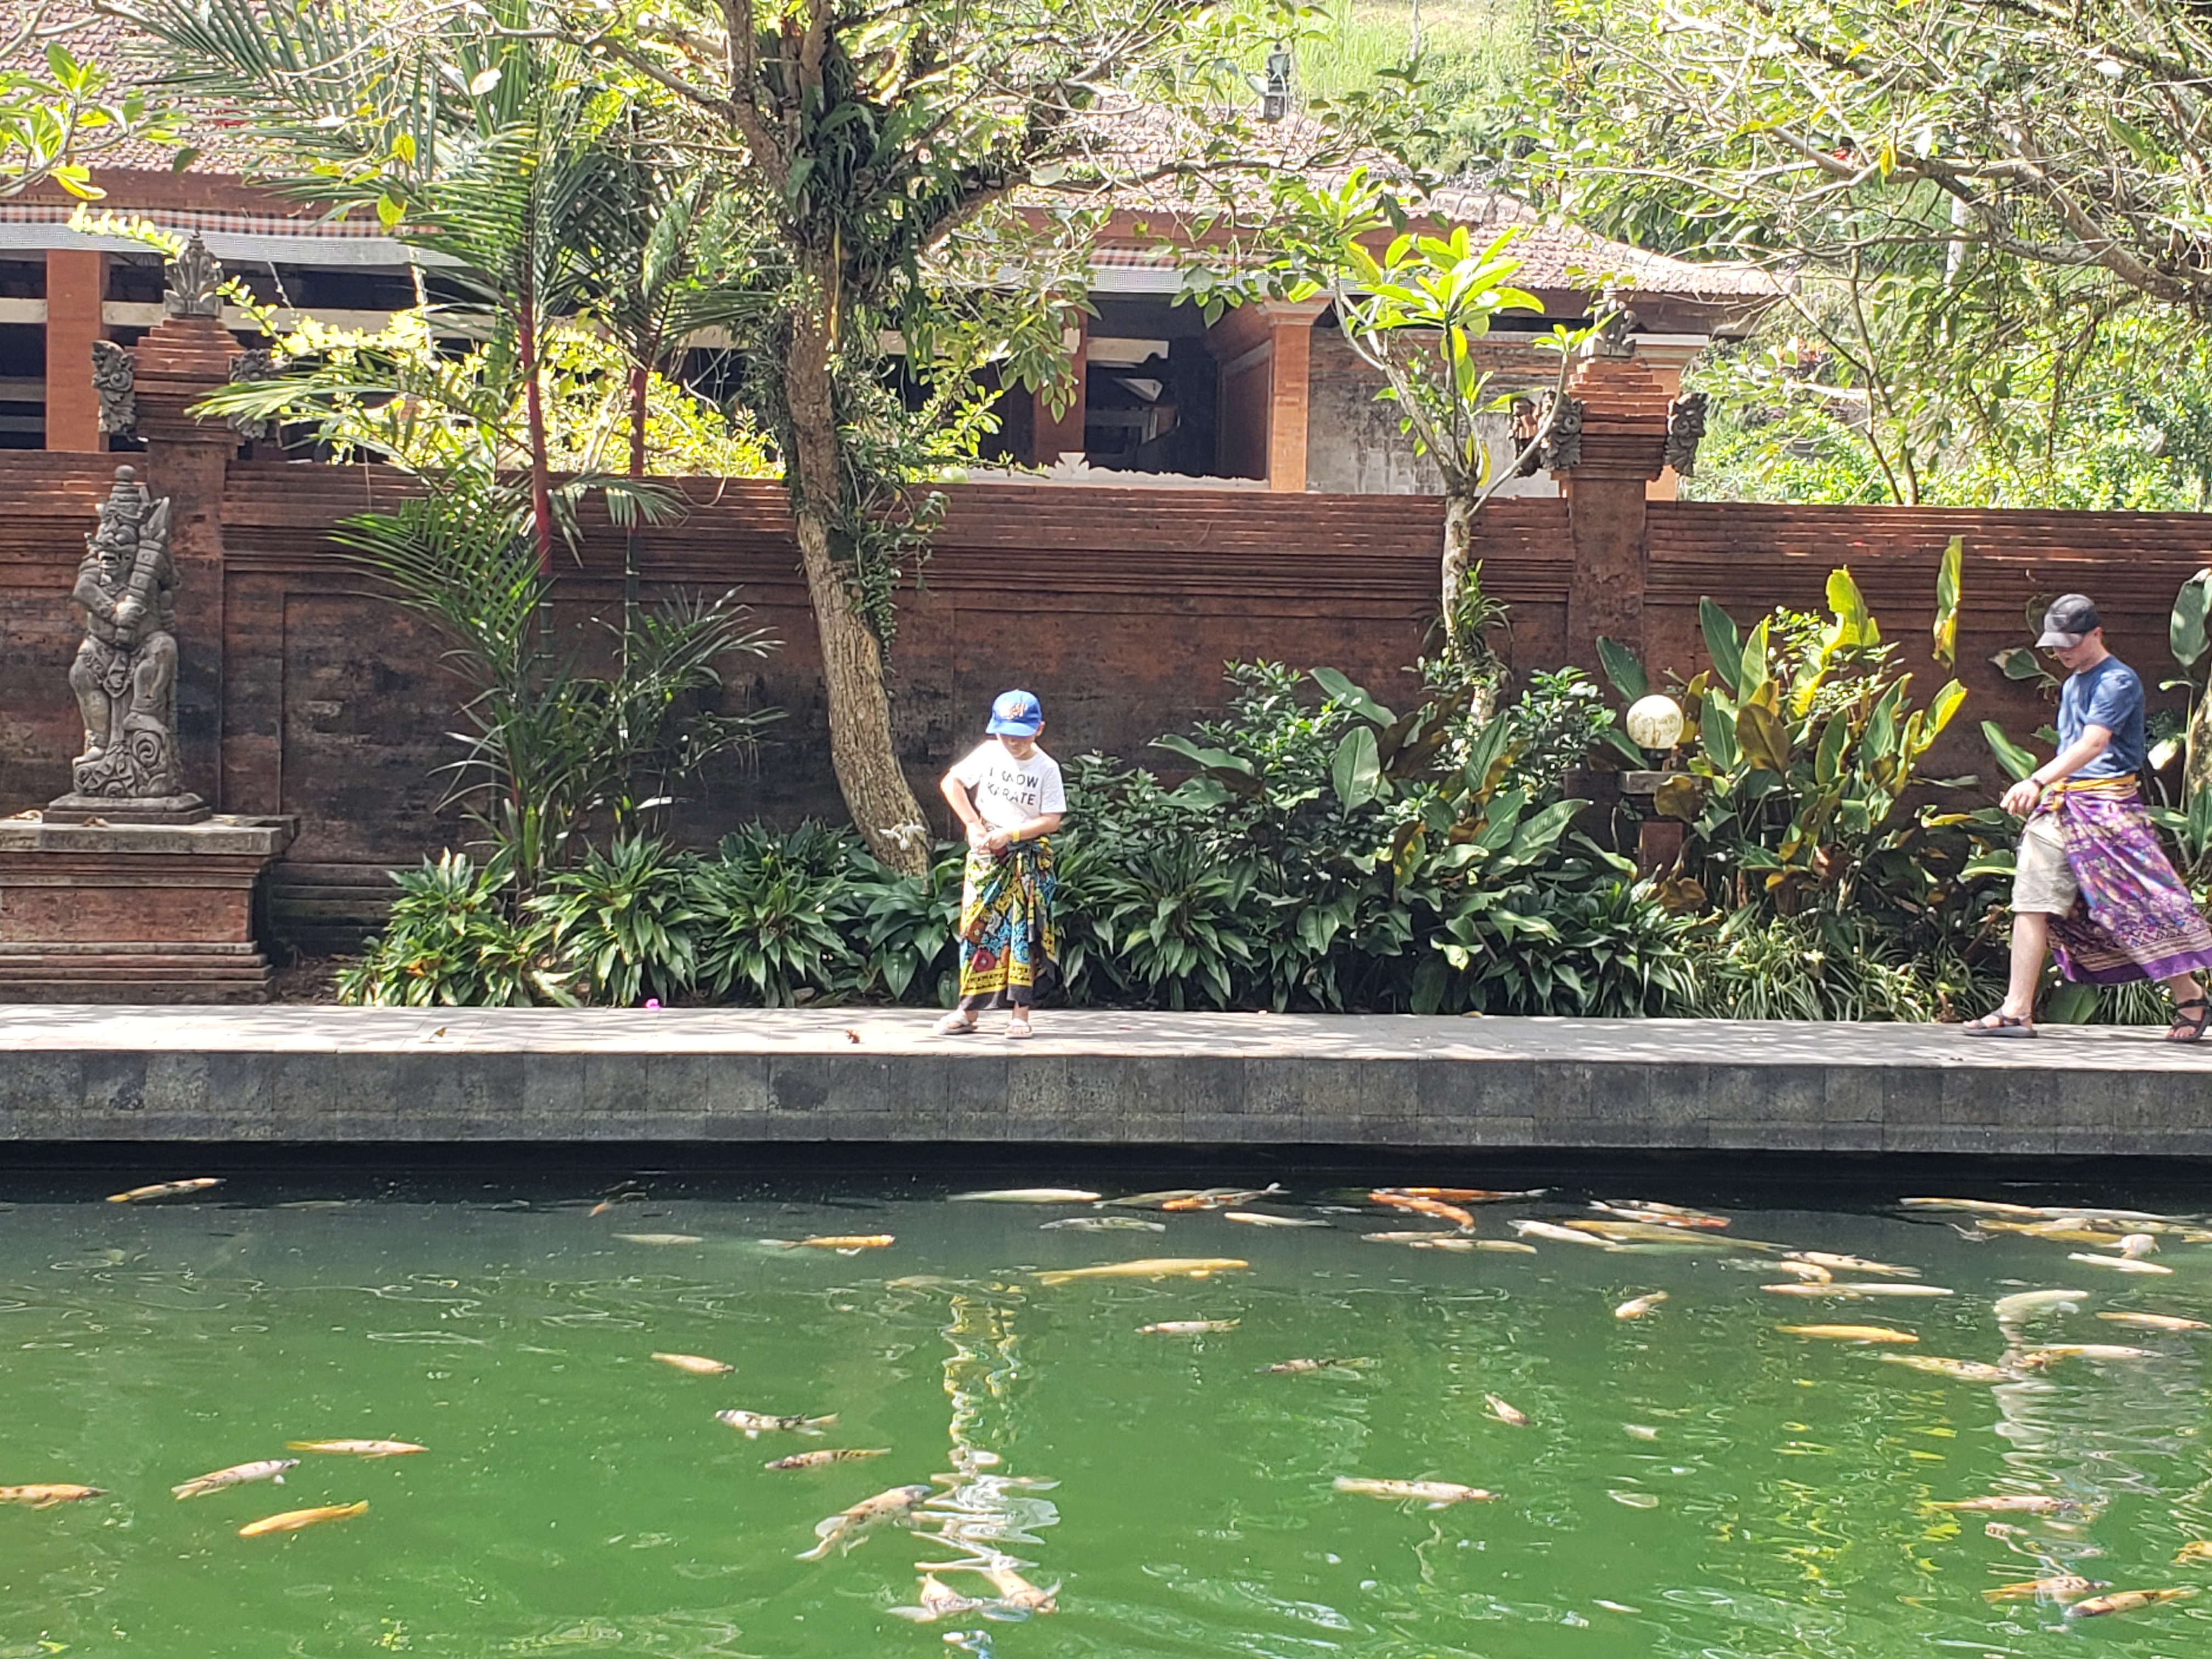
(222, 835)
(1098, 1077)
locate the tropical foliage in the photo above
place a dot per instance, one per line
(1325, 852)
(59, 114)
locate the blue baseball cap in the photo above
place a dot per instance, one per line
(1016, 715)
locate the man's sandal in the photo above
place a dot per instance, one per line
(2188, 1027)
(1998, 1024)
(1018, 1027)
(956, 1023)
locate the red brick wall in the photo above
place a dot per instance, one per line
(1116, 606)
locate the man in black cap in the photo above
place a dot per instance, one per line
(2091, 877)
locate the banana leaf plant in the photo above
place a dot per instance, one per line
(1803, 745)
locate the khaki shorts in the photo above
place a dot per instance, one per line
(2042, 879)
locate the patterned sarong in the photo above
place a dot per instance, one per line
(2136, 919)
(1009, 941)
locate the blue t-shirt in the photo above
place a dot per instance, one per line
(2112, 697)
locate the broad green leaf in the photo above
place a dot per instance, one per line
(1950, 585)
(1948, 702)
(1538, 835)
(2185, 627)
(2016, 760)
(1760, 734)
(1213, 760)
(1827, 762)
(1356, 771)
(1716, 728)
(1751, 667)
(1723, 643)
(1854, 621)
(1622, 668)
(1353, 697)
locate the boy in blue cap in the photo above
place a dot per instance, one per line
(1008, 794)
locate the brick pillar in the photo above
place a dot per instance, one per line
(1062, 433)
(187, 460)
(1623, 450)
(76, 282)
(1289, 325)
(1265, 348)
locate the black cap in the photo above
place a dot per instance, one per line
(2071, 619)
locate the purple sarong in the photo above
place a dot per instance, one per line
(2135, 919)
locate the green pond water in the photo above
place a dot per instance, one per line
(1694, 1483)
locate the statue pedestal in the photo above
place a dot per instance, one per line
(133, 913)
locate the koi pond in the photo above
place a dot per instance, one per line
(1661, 1415)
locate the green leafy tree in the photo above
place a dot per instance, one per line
(1416, 310)
(933, 171)
(55, 124)
(1992, 217)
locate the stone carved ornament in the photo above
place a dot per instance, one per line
(1686, 426)
(1612, 339)
(125, 672)
(115, 380)
(259, 363)
(1563, 444)
(194, 286)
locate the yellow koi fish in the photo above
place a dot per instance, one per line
(2144, 1322)
(46, 1496)
(1151, 1267)
(1851, 1333)
(1637, 1306)
(356, 1447)
(2127, 1602)
(294, 1520)
(164, 1189)
(696, 1364)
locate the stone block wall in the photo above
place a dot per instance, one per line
(1117, 606)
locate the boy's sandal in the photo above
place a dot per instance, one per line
(1017, 1028)
(2188, 1027)
(1998, 1024)
(955, 1025)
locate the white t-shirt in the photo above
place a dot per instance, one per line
(1009, 792)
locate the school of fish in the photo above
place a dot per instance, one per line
(2115, 1240)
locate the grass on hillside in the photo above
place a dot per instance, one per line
(1499, 36)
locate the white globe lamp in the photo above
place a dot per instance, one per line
(1655, 722)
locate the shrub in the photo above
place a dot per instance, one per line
(451, 941)
(622, 922)
(776, 915)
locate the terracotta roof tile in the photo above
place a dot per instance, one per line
(1148, 164)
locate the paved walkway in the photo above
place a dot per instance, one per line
(321, 1074)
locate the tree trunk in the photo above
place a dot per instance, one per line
(1462, 645)
(1459, 559)
(884, 808)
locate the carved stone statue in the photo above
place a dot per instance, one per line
(194, 285)
(1685, 426)
(115, 380)
(125, 672)
(1612, 339)
(1563, 444)
(256, 363)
